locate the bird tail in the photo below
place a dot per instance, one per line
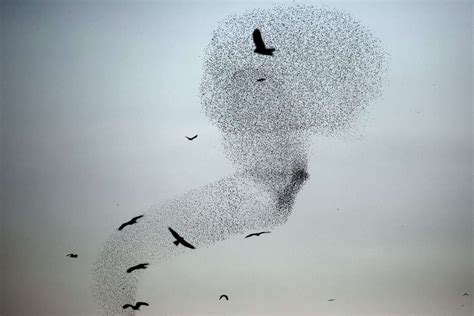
(176, 242)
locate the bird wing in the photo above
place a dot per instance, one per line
(189, 138)
(264, 233)
(194, 136)
(175, 234)
(257, 39)
(138, 304)
(250, 235)
(135, 218)
(127, 306)
(225, 296)
(186, 244)
(123, 225)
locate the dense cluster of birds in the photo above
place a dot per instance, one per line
(320, 85)
(270, 79)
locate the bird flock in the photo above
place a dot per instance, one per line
(307, 71)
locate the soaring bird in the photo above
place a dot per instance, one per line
(179, 239)
(137, 267)
(331, 300)
(256, 234)
(72, 255)
(130, 222)
(224, 296)
(136, 307)
(260, 47)
(191, 138)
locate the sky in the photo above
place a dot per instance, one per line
(96, 99)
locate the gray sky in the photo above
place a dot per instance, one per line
(97, 99)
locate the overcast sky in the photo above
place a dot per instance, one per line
(96, 100)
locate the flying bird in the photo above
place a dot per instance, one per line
(179, 239)
(256, 234)
(261, 79)
(465, 294)
(130, 222)
(260, 47)
(136, 307)
(224, 296)
(72, 255)
(137, 267)
(331, 300)
(191, 138)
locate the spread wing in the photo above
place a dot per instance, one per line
(257, 39)
(175, 234)
(136, 217)
(123, 225)
(186, 244)
(138, 304)
(138, 266)
(264, 233)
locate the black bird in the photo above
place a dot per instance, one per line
(224, 296)
(331, 300)
(136, 307)
(260, 47)
(465, 294)
(261, 79)
(256, 234)
(72, 255)
(191, 138)
(130, 222)
(137, 267)
(179, 239)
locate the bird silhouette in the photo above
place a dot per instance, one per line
(224, 296)
(331, 300)
(179, 239)
(130, 222)
(256, 234)
(137, 267)
(191, 138)
(261, 79)
(72, 255)
(260, 47)
(465, 294)
(136, 307)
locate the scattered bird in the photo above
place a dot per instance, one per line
(137, 267)
(260, 47)
(72, 255)
(224, 296)
(331, 300)
(179, 239)
(130, 222)
(191, 138)
(136, 307)
(465, 294)
(261, 79)
(256, 234)
(118, 204)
